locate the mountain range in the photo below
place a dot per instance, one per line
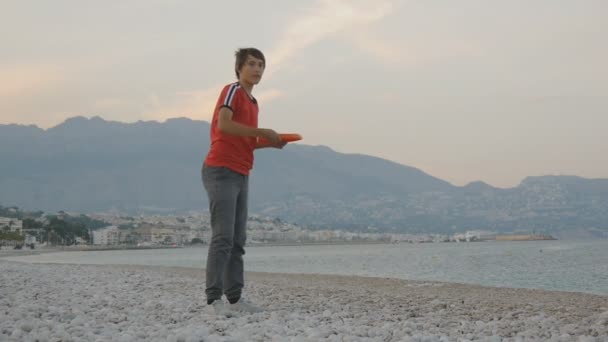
(92, 165)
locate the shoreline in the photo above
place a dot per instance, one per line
(339, 278)
(37, 256)
(134, 302)
(134, 247)
(10, 252)
(184, 270)
(84, 248)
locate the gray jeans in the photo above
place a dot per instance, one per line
(227, 191)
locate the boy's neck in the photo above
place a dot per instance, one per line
(247, 87)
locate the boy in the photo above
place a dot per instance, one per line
(225, 174)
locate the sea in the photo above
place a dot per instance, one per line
(575, 266)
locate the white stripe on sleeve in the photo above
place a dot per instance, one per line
(230, 94)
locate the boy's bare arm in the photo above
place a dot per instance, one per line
(228, 126)
(278, 145)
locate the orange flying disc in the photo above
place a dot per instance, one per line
(290, 137)
(285, 137)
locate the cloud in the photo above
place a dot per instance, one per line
(410, 51)
(21, 80)
(198, 104)
(193, 104)
(382, 49)
(269, 95)
(28, 87)
(325, 19)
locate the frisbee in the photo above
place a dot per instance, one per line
(285, 137)
(290, 137)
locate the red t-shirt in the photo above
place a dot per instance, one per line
(231, 151)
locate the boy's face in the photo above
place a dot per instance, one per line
(252, 70)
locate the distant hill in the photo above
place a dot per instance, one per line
(96, 165)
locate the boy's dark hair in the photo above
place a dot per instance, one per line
(241, 57)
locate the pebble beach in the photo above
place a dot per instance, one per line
(64, 302)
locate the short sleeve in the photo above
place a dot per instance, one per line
(229, 98)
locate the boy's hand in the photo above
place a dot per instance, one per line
(280, 144)
(272, 136)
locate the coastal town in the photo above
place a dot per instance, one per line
(114, 229)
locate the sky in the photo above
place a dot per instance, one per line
(468, 90)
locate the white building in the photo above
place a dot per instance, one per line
(5, 221)
(30, 239)
(479, 235)
(106, 236)
(14, 225)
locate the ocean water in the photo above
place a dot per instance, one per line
(580, 266)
